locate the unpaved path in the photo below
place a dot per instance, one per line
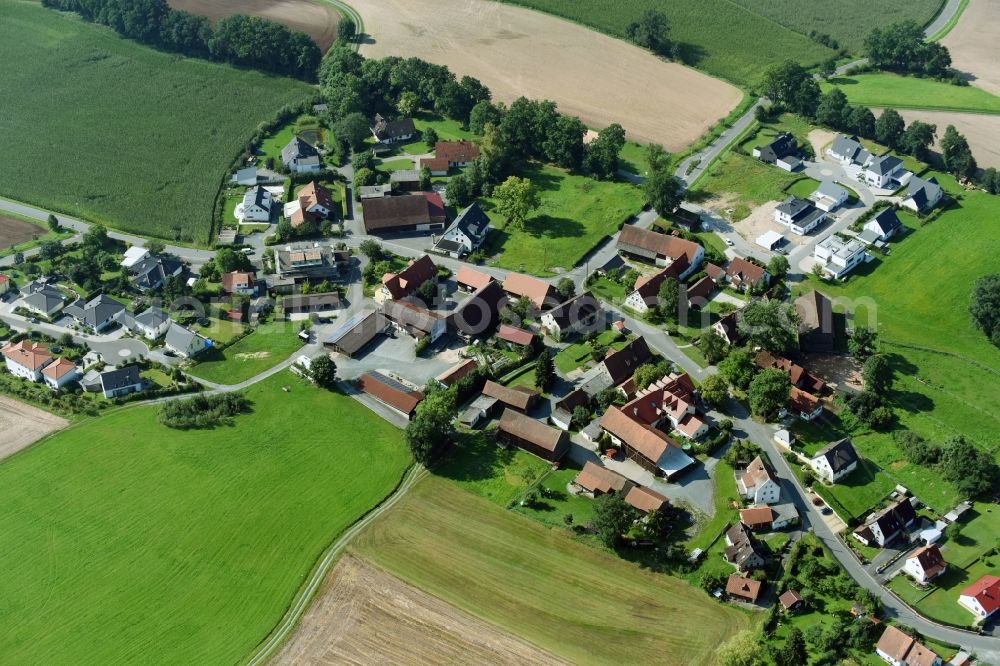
(973, 44)
(364, 615)
(22, 424)
(516, 51)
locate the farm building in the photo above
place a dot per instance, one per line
(410, 213)
(532, 435)
(357, 333)
(659, 249)
(390, 392)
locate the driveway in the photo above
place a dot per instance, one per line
(396, 355)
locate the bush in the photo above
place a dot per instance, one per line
(203, 411)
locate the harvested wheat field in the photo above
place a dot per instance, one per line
(316, 19)
(23, 424)
(973, 44)
(516, 51)
(366, 616)
(14, 231)
(980, 129)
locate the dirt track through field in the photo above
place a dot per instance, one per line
(516, 51)
(22, 424)
(14, 231)
(363, 615)
(973, 44)
(316, 19)
(982, 131)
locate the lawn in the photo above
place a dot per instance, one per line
(481, 467)
(744, 182)
(552, 508)
(858, 492)
(267, 346)
(162, 130)
(576, 213)
(273, 143)
(576, 601)
(802, 188)
(909, 92)
(577, 354)
(725, 493)
(608, 290)
(632, 158)
(128, 542)
(447, 129)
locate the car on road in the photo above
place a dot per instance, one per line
(826, 511)
(730, 242)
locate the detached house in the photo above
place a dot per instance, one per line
(256, 207)
(838, 256)
(835, 460)
(581, 314)
(799, 376)
(922, 195)
(151, 323)
(96, 314)
(414, 320)
(120, 382)
(727, 328)
(982, 598)
(539, 292)
(925, 564)
(883, 226)
(743, 550)
(448, 154)
(798, 215)
(744, 275)
(829, 196)
(645, 294)
(597, 480)
(392, 131)
(5, 284)
(311, 205)
(184, 342)
(397, 286)
(26, 359)
(900, 649)
(42, 298)
(848, 150)
(758, 483)
(668, 403)
(887, 525)
(880, 172)
(239, 282)
(151, 271)
(659, 249)
(782, 152)
(478, 315)
(466, 233)
(59, 373)
(299, 156)
(744, 589)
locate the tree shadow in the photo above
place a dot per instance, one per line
(689, 54)
(474, 457)
(843, 81)
(547, 226)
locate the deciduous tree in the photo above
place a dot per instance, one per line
(768, 392)
(737, 369)
(516, 198)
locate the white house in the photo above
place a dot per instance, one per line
(848, 150)
(115, 383)
(388, 131)
(256, 205)
(184, 342)
(26, 359)
(925, 564)
(133, 255)
(152, 323)
(881, 171)
(42, 298)
(60, 373)
(885, 225)
(799, 215)
(900, 649)
(835, 460)
(96, 314)
(300, 156)
(837, 256)
(922, 195)
(982, 598)
(466, 233)
(758, 483)
(829, 196)
(580, 314)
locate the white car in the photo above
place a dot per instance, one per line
(729, 242)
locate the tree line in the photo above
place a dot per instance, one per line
(901, 48)
(245, 41)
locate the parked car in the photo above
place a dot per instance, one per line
(826, 511)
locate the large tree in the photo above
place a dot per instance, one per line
(971, 470)
(917, 139)
(668, 299)
(563, 144)
(793, 652)
(738, 369)
(662, 189)
(602, 154)
(712, 346)
(957, 155)
(984, 306)
(430, 430)
(545, 371)
(650, 30)
(612, 518)
(323, 371)
(789, 83)
(714, 390)
(743, 649)
(901, 47)
(863, 343)
(862, 121)
(770, 324)
(877, 374)
(833, 110)
(768, 392)
(889, 128)
(516, 198)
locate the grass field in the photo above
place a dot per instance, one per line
(268, 345)
(576, 213)
(161, 130)
(128, 542)
(908, 92)
(565, 597)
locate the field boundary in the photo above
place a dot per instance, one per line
(951, 23)
(297, 607)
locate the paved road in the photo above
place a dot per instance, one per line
(703, 158)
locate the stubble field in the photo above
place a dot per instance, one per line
(23, 424)
(973, 44)
(518, 52)
(316, 19)
(981, 130)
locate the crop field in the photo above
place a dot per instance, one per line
(22, 424)
(972, 44)
(360, 605)
(15, 231)
(267, 346)
(576, 213)
(572, 600)
(113, 132)
(128, 542)
(313, 17)
(980, 129)
(908, 92)
(518, 52)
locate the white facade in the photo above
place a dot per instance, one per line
(916, 571)
(839, 257)
(59, 382)
(23, 371)
(256, 205)
(821, 466)
(766, 492)
(972, 605)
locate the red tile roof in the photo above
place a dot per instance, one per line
(594, 477)
(519, 397)
(645, 499)
(757, 516)
(532, 431)
(435, 206)
(789, 599)
(434, 163)
(456, 151)
(28, 354)
(742, 271)
(237, 280)
(986, 591)
(472, 278)
(537, 291)
(649, 442)
(408, 280)
(59, 368)
(518, 336)
(457, 372)
(662, 244)
(385, 390)
(745, 588)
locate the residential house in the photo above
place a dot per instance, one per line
(518, 398)
(925, 564)
(151, 323)
(799, 376)
(816, 332)
(835, 460)
(659, 249)
(743, 275)
(791, 601)
(650, 448)
(390, 392)
(239, 282)
(901, 649)
(727, 328)
(743, 589)
(97, 314)
(616, 368)
(119, 382)
(829, 196)
(982, 598)
(783, 515)
(562, 412)
(42, 298)
(133, 255)
(885, 526)
(758, 483)
(397, 286)
(411, 213)
(184, 342)
(686, 216)
(26, 359)
(579, 315)
(668, 403)
(448, 154)
(541, 294)
(470, 280)
(848, 150)
(405, 180)
(596, 480)
(312, 205)
(318, 306)
(646, 499)
(743, 550)
(388, 131)
(257, 203)
(415, 320)
(698, 293)
(151, 271)
(357, 333)
(466, 233)
(885, 225)
(532, 435)
(804, 405)
(799, 215)
(880, 172)
(300, 156)
(782, 152)
(838, 256)
(307, 263)
(922, 195)
(59, 373)
(646, 292)
(457, 372)
(245, 177)
(757, 518)
(478, 315)
(515, 337)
